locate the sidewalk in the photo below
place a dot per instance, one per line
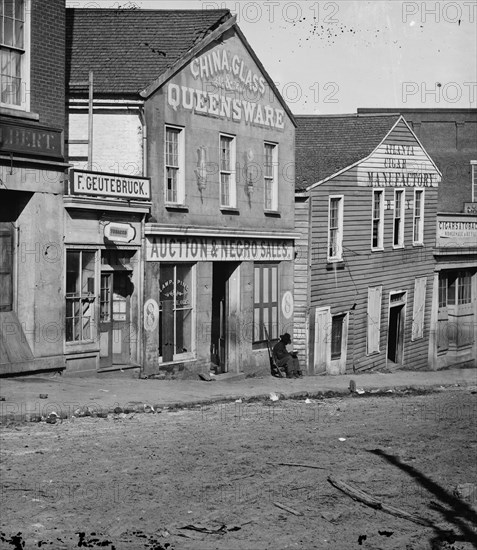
(66, 396)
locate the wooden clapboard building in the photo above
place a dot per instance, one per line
(32, 170)
(183, 100)
(366, 201)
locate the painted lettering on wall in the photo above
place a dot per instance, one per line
(182, 249)
(401, 169)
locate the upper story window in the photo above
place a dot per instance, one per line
(227, 171)
(13, 53)
(418, 225)
(378, 220)
(398, 235)
(174, 165)
(335, 229)
(270, 176)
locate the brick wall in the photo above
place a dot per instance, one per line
(47, 77)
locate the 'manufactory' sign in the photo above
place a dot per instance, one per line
(110, 185)
(401, 166)
(196, 249)
(225, 87)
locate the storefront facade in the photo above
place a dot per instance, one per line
(219, 257)
(364, 287)
(453, 341)
(32, 170)
(103, 279)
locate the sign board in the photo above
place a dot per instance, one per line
(470, 207)
(209, 249)
(151, 315)
(119, 232)
(31, 140)
(287, 304)
(457, 231)
(103, 184)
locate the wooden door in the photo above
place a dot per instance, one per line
(105, 321)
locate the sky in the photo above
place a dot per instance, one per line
(331, 57)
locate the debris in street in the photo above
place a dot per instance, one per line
(274, 396)
(466, 491)
(369, 500)
(352, 386)
(360, 391)
(295, 464)
(148, 408)
(308, 401)
(288, 509)
(52, 418)
(238, 400)
(361, 539)
(331, 517)
(43, 396)
(341, 438)
(206, 377)
(385, 533)
(2, 398)
(214, 530)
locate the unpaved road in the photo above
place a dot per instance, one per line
(136, 481)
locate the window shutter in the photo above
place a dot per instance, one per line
(322, 349)
(374, 318)
(418, 308)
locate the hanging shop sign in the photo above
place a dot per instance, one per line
(31, 140)
(102, 184)
(119, 232)
(202, 249)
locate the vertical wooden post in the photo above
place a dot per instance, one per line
(90, 122)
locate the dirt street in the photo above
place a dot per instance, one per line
(201, 479)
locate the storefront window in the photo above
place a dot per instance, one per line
(176, 309)
(459, 287)
(6, 266)
(80, 295)
(265, 301)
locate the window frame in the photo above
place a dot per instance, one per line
(259, 306)
(180, 167)
(339, 228)
(401, 201)
(24, 61)
(419, 218)
(189, 355)
(230, 171)
(270, 205)
(380, 244)
(7, 267)
(342, 317)
(91, 297)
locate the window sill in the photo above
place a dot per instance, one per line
(381, 249)
(272, 213)
(19, 113)
(177, 207)
(230, 210)
(418, 245)
(398, 247)
(335, 265)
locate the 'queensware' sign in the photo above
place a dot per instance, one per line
(201, 249)
(226, 88)
(102, 184)
(402, 166)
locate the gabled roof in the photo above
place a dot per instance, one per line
(326, 144)
(127, 49)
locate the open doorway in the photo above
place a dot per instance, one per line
(396, 327)
(224, 304)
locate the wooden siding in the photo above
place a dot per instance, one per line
(301, 280)
(394, 268)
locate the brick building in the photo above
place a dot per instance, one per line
(184, 101)
(32, 171)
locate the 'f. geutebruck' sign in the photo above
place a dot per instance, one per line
(102, 184)
(197, 249)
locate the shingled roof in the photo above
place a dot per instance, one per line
(128, 49)
(327, 144)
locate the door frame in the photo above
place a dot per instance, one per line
(402, 304)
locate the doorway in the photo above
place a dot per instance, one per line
(224, 307)
(115, 316)
(396, 333)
